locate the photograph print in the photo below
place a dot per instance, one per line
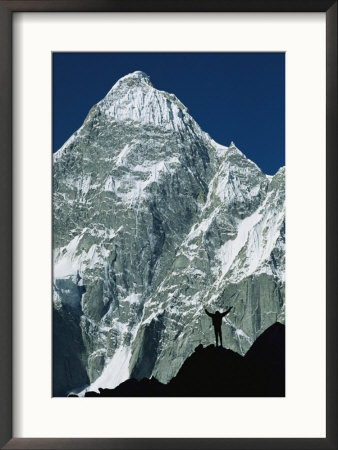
(168, 225)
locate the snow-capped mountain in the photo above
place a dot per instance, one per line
(154, 221)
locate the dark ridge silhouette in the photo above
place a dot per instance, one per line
(133, 388)
(209, 372)
(266, 360)
(218, 372)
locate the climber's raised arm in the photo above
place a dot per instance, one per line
(209, 314)
(227, 311)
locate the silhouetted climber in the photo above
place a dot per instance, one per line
(217, 323)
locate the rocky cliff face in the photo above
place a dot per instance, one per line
(154, 221)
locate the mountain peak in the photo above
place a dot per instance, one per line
(136, 74)
(137, 77)
(146, 203)
(134, 98)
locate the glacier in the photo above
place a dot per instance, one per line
(152, 222)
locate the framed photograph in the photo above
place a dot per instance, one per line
(183, 246)
(173, 240)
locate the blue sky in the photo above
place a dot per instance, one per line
(236, 97)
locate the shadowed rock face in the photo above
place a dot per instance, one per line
(69, 353)
(217, 372)
(153, 221)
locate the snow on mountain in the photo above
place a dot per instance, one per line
(154, 221)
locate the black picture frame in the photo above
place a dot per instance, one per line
(10, 7)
